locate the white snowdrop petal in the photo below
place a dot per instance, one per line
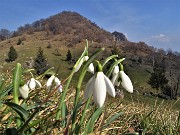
(126, 82)
(91, 68)
(24, 91)
(32, 84)
(57, 81)
(79, 65)
(50, 80)
(60, 88)
(116, 70)
(58, 84)
(99, 92)
(114, 78)
(109, 86)
(38, 83)
(89, 88)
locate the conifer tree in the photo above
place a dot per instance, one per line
(19, 41)
(40, 62)
(158, 79)
(68, 55)
(12, 55)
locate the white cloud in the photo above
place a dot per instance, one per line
(160, 41)
(160, 38)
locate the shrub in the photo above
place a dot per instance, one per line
(40, 62)
(12, 55)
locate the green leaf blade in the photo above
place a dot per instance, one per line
(90, 125)
(18, 109)
(111, 119)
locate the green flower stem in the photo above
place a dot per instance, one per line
(108, 59)
(68, 83)
(77, 98)
(121, 67)
(16, 83)
(113, 65)
(83, 72)
(99, 67)
(27, 70)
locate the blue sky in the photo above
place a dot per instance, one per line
(156, 22)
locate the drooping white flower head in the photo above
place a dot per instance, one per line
(126, 82)
(119, 77)
(91, 68)
(116, 70)
(50, 81)
(115, 75)
(83, 59)
(57, 83)
(24, 91)
(32, 83)
(98, 85)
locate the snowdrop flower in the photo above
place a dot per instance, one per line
(98, 85)
(24, 91)
(84, 59)
(32, 83)
(50, 81)
(57, 82)
(126, 82)
(115, 75)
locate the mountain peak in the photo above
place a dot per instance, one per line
(69, 24)
(118, 36)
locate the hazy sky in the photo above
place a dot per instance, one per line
(156, 22)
